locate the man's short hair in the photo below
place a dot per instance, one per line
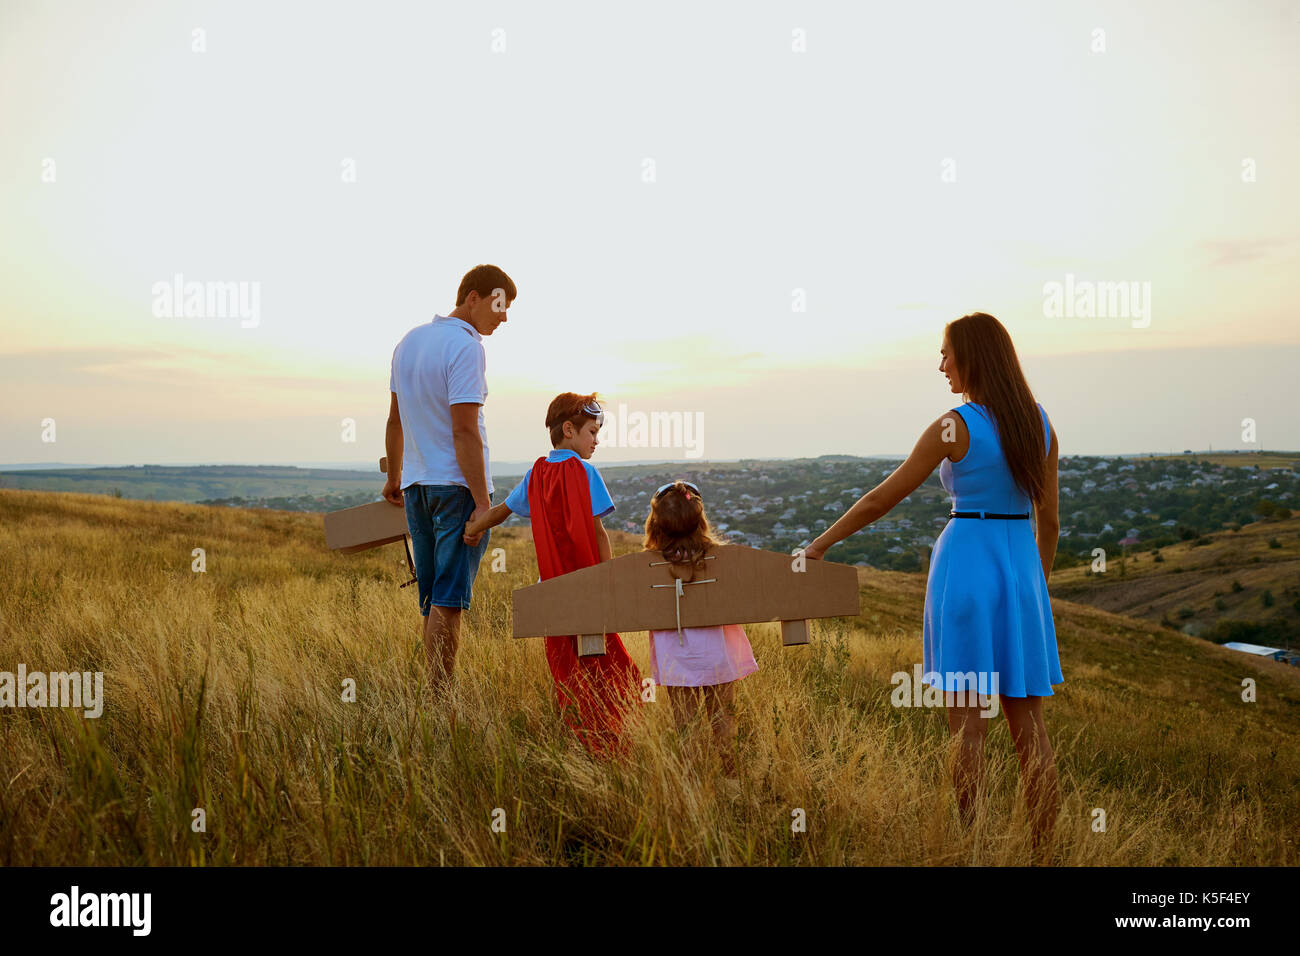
(485, 280)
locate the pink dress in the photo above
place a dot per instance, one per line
(701, 656)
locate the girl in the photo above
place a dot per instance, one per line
(987, 610)
(700, 665)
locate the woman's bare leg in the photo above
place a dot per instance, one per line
(1037, 764)
(970, 729)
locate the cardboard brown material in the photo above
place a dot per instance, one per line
(368, 526)
(365, 526)
(638, 592)
(591, 645)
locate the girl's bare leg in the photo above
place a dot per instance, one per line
(686, 705)
(720, 700)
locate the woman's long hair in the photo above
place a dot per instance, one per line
(678, 529)
(991, 376)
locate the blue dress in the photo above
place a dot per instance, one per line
(986, 605)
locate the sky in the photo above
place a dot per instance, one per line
(757, 215)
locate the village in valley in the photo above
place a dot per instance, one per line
(1114, 503)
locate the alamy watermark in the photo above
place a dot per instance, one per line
(75, 908)
(625, 429)
(179, 299)
(1086, 299)
(54, 689)
(969, 689)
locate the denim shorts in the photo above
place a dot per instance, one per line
(445, 565)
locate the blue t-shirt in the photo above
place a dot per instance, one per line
(601, 503)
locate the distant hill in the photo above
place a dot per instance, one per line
(198, 482)
(783, 503)
(1240, 459)
(1223, 586)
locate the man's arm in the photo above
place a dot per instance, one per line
(393, 448)
(469, 454)
(602, 540)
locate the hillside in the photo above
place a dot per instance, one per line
(783, 504)
(1227, 585)
(199, 482)
(223, 693)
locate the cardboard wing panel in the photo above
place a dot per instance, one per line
(364, 527)
(751, 586)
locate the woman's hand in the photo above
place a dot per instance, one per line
(815, 551)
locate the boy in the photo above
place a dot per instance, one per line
(565, 499)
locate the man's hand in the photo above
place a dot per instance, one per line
(393, 491)
(473, 531)
(814, 551)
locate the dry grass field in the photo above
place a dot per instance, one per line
(223, 692)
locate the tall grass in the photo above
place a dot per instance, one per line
(223, 692)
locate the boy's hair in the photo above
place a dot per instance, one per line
(568, 408)
(678, 529)
(485, 280)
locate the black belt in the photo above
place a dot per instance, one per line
(985, 514)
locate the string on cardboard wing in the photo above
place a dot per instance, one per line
(678, 593)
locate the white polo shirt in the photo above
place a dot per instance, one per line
(434, 367)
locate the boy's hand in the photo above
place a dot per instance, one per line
(814, 551)
(474, 527)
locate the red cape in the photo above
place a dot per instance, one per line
(593, 693)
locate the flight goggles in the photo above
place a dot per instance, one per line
(688, 484)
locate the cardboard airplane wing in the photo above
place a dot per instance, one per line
(364, 527)
(638, 592)
(368, 526)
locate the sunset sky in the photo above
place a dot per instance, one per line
(900, 164)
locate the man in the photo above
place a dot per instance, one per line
(438, 466)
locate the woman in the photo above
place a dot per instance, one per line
(986, 605)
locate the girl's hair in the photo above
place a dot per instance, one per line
(991, 376)
(567, 407)
(678, 529)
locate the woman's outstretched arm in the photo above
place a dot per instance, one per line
(931, 448)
